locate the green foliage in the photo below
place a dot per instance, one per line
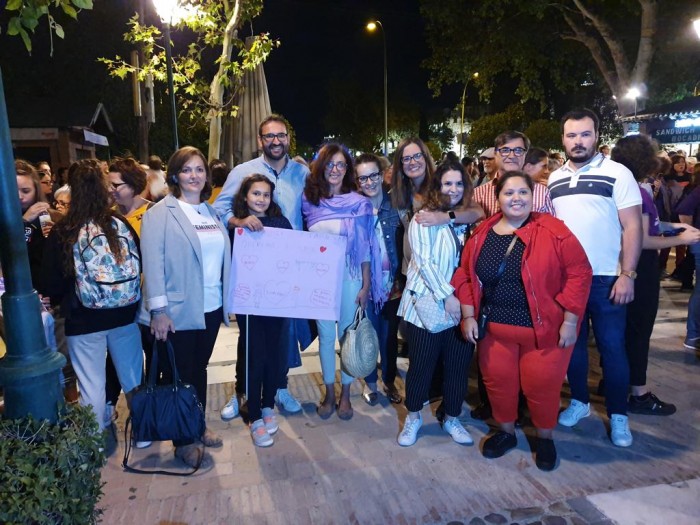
(50, 474)
(485, 129)
(193, 77)
(544, 134)
(26, 14)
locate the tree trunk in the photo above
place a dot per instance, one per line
(216, 98)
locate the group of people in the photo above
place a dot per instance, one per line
(514, 265)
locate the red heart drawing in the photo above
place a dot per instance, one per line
(240, 231)
(323, 249)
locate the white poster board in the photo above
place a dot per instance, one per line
(287, 273)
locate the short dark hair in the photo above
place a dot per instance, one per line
(272, 117)
(155, 163)
(219, 172)
(509, 135)
(175, 165)
(580, 114)
(638, 154)
(240, 207)
(535, 155)
(131, 173)
(500, 182)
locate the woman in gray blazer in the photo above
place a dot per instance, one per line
(186, 258)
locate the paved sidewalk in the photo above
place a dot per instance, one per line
(354, 472)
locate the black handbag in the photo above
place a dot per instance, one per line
(163, 412)
(484, 309)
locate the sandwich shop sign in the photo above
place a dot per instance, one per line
(678, 131)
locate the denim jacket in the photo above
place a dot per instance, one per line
(392, 232)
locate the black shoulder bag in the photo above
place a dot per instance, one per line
(163, 413)
(484, 309)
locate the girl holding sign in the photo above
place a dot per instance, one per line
(266, 336)
(330, 205)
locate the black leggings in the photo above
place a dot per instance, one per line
(426, 350)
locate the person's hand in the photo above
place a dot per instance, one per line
(470, 329)
(690, 235)
(623, 290)
(432, 218)
(567, 334)
(46, 303)
(161, 325)
(35, 210)
(252, 223)
(453, 308)
(46, 228)
(362, 297)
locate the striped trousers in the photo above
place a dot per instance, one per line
(426, 349)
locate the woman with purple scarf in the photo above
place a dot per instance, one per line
(330, 205)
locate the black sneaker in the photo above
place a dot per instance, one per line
(498, 444)
(545, 454)
(481, 412)
(692, 343)
(650, 405)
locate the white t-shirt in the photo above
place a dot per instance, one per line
(588, 200)
(212, 245)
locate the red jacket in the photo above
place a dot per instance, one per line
(556, 273)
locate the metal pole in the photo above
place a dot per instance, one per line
(169, 65)
(461, 120)
(29, 372)
(386, 96)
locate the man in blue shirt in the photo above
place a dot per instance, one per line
(289, 178)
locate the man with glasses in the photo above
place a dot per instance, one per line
(289, 178)
(510, 149)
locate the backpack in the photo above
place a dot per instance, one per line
(100, 280)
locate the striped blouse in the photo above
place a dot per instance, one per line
(485, 196)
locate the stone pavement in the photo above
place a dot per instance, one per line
(337, 472)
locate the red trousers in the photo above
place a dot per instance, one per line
(510, 362)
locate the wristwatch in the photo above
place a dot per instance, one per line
(629, 273)
(452, 216)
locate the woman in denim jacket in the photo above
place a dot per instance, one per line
(389, 231)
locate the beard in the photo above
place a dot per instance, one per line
(275, 151)
(580, 154)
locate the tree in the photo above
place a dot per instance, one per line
(536, 47)
(25, 16)
(211, 27)
(485, 129)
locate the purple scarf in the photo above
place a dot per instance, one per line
(357, 218)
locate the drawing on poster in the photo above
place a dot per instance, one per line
(287, 273)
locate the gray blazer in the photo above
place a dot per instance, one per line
(172, 265)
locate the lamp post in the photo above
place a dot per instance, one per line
(371, 26)
(166, 10)
(633, 93)
(461, 119)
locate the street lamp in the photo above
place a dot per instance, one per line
(371, 26)
(167, 11)
(461, 120)
(634, 93)
(696, 25)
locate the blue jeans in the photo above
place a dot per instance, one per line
(386, 323)
(693, 324)
(608, 321)
(327, 331)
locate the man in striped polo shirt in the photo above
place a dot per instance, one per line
(510, 148)
(600, 202)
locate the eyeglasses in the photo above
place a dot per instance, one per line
(340, 165)
(46, 182)
(408, 158)
(269, 137)
(374, 177)
(116, 186)
(518, 152)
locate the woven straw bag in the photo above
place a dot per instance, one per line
(360, 347)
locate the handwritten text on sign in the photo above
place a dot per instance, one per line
(287, 273)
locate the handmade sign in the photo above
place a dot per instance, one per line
(287, 273)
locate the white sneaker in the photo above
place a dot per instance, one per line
(620, 433)
(259, 433)
(270, 420)
(286, 401)
(575, 413)
(408, 435)
(143, 444)
(230, 409)
(459, 434)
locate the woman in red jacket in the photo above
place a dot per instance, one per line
(531, 277)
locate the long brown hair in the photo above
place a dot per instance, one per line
(25, 169)
(240, 206)
(317, 186)
(401, 185)
(435, 199)
(90, 202)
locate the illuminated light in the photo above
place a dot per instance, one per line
(371, 26)
(696, 25)
(687, 123)
(633, 93)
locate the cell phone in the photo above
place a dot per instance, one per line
(673, 232)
